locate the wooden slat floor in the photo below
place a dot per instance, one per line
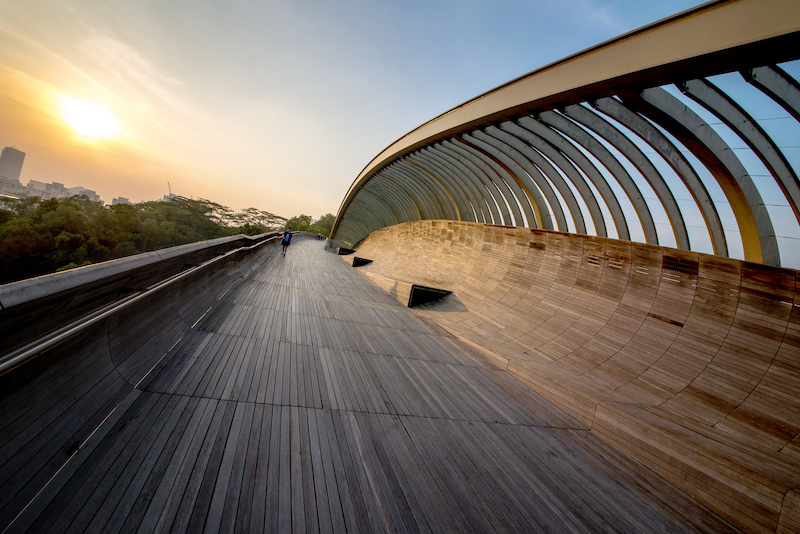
(309, 400)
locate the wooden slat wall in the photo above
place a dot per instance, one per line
(689, 363)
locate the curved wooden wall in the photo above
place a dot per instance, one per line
(690, 363)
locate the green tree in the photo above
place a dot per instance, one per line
(300, 223)
(324, 224)
(251, 229)
(43, 236)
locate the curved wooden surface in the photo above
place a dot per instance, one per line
(291, 394)
(689, 363)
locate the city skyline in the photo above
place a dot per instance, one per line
(13, 185)
(275, 106)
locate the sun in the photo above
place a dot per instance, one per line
(88, 120)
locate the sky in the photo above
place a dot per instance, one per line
(257, 103)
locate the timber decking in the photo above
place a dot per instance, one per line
(689, 363)
(291, 394)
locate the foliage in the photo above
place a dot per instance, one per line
(325, 223)
(306, 223)
(300, 223)
(250, 229)
(40, 237)
(225, 216)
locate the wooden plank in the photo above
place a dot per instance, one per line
(284, 511)
(311, 521)
(449, 484)
(192, 513)
(259, 512)
(414, 513)
(332, 489)
(32, 466)
(137, 472)
(153, 497)
(110, 471)
(53, 500)
(224, 503)
(296, 469)
(365, 515)
(320, 488)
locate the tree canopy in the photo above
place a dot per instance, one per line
(306, 223)
(43, 236)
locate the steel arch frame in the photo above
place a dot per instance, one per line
(526, 152)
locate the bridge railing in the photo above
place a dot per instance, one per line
(38, 313)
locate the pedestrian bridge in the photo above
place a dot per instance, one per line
(617, 347)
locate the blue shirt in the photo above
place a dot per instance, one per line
(287, 236)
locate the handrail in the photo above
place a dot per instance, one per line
(33, 313)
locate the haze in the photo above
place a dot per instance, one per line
(276, 105)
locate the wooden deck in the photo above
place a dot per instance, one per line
(305, 399)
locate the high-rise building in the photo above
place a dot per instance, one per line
(11, 163)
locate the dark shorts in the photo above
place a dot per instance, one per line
(285, 243)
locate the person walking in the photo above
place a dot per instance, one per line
(287, 239)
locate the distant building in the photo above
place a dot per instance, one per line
(10, 168)
(12, 189)
(46, 191)
(57, 190)
(72, 191)
(120, 200)
(11, 163)
(168, 197)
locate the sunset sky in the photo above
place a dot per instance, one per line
(276, 105)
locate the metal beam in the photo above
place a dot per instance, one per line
(446, 175)
(404, 210)
(618, 140)
(485, 173)
(389, 214)
(681, 46)
(550, 142)
(710, 97)
(427, 207)
(653, 137)
(500, 177)
(509, 157)
(434, 187)
(755, 225)
(453, 190)
(778, 85)
(515, 178)
(473, 173)
(391, 183)
(536, 165)
(582, 138)
(556, 160)
(447, 164)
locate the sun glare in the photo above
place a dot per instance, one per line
(88, 120)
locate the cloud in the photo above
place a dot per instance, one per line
(128, 65)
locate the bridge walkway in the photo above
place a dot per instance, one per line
(307, 399)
